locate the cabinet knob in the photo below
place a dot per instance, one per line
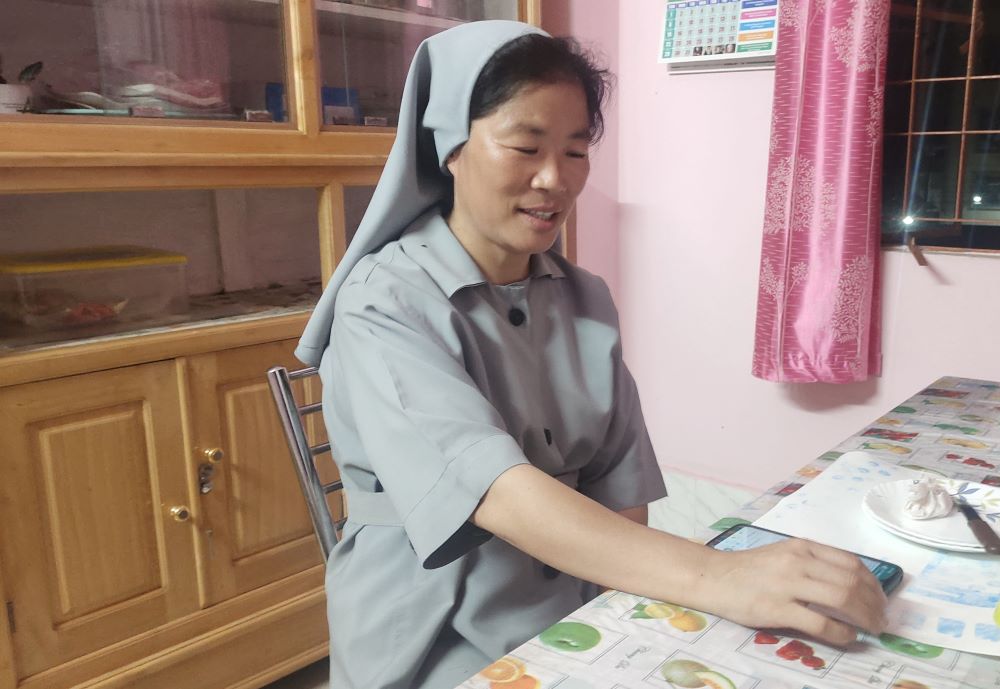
(180, 513)
(215, 455)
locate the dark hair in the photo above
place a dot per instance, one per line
(538, 59)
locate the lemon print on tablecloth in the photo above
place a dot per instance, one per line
(655, 611)
(677, 617)
(662, 611)
(689, 621)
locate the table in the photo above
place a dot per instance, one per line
(952, 427)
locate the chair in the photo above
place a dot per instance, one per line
(315, 491)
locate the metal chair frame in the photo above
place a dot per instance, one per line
(292, 416)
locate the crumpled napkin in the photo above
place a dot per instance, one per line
(927, 499)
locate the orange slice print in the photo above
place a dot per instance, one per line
(522, 682)
(503, 672)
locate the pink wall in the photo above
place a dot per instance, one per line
(691, 164)
(595, 25)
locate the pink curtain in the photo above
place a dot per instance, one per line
(818, 316)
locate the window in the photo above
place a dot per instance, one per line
(941, 168)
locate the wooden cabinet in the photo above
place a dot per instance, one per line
(116, 544)
(128, 558)
(90, 552)
(254, 527)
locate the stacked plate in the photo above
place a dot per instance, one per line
(885, 503)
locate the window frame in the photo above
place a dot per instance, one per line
(950, 226)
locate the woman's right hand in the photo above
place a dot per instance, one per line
(795, 584)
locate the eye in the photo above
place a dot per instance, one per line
(577, 154)
(525, 150)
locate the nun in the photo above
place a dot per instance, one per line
(490, 438)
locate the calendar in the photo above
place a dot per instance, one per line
(720, 31)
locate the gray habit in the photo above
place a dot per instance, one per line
(434, 383)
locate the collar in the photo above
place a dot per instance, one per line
(436, 249)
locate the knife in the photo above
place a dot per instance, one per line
(983, 532)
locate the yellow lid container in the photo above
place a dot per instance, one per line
(53, 290)
(88, 258)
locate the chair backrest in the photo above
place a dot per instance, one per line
(315, 491)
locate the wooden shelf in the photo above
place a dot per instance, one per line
(215, 309)
(380, 13)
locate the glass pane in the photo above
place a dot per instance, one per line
(984, 104)
(201, 255)
(938, 106)
(960, 236)
(356, 200)
(934, 176)
(365, 48)
(189, 59)
(928, 233)
(897, 108)
(981, 188)
(944, 38)
(902, 25)
(986, 57)
(893, 180)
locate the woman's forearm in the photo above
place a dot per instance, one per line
(639, 514)
(557, 525)
(784, 585)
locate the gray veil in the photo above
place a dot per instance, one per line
(433, 121)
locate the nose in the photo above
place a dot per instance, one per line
(550, 175)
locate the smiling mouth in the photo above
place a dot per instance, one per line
(540, 214)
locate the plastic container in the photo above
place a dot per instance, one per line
(93, 285)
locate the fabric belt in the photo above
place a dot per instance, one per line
(373, 509)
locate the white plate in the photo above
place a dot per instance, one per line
(885, 502)
(910, 536)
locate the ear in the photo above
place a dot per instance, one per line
(452, 159)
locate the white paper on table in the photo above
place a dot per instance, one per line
(946, 598)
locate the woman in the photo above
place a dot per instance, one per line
(489, 436)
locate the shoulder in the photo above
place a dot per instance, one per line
(590, 291)
(389, 280)
(387, 292)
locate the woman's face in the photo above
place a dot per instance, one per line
(518, 175)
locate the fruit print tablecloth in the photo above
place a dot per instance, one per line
(621, 641)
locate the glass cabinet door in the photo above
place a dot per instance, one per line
(163, 59)
(77, 266)
(365, 48)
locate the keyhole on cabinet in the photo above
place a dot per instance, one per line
(205, 473)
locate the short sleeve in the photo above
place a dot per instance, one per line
(624, 473)
(435, 443)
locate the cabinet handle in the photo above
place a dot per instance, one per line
(180, 513)
(214, 454)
